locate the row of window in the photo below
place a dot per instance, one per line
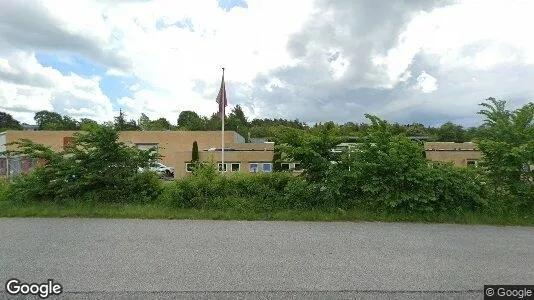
(236, 167)
(290, 166)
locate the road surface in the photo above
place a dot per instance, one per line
(166, 259)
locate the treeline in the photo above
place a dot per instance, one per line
(237, 121)
(385, 173)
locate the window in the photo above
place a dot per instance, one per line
(284, 166)
(266, 167)
(471, 162)
(253, 168)
(298, 167)
(189, 167)
(221, 167)
(235, 167)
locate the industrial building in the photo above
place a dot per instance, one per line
(175, 147)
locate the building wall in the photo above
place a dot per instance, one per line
(457, 153)
(459, 158)
(244, 158)
(174, 146)
(53, 139)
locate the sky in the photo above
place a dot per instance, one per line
(425, 61)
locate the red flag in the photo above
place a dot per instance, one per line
(221, 99)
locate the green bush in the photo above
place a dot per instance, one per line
(456, 189)
(97, 167)
(299, 194)
(507, 146)
(388, 172)
(207, 189)
(4, 189)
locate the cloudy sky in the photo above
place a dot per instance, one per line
(428, 61)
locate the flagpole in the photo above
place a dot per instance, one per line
(222, 131)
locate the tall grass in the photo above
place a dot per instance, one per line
(159, 211)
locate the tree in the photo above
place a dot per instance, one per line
(160, 124)
(88, 124)
(507, 146)
(398, 128)
(238, 114)
(69, 123)
(349, 129)
(144, 122)
(194, 153)
(259, 131)
(8, 122)
(312, 150)
(120, 121)
(212, 123)
(416, 129)
(96, 166)
(122, 125)
(47, 120)
(450, 132)
(387, 171)
(189, 120)
(237, 121)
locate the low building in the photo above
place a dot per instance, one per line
(461, 154)
(174, 146)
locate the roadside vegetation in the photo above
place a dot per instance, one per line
(386, 178)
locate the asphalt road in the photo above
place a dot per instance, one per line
(166, 259)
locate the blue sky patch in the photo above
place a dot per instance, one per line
(67, 63)
(185, 23)
(229, 4)
(114, 87)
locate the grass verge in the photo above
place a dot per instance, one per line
(155, 211)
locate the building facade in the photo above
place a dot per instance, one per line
(460, 154)
(175, 147)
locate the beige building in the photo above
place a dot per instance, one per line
(176, 149)
(461, 154)
(174, 146)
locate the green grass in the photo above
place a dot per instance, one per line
(155, 211)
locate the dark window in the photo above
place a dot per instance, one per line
(236, 167)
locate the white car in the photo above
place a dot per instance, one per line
(160, 169)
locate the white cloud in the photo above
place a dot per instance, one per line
(343, 48)
(34, 87)
(472, 34)
(426, 83)
(170, 60)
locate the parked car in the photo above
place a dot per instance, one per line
(160, 169)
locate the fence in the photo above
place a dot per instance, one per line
(15, 166)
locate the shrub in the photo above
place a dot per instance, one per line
(206, 189)
(388, 172)
(507, 146)
(194, 153)
(97, 167)
(4, 189)
(299, 194)
(455, 189)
